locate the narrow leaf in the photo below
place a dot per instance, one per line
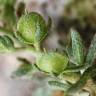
(76, 68)
(25, 68)
(91, 52)
(9, 42)
(6, 44)
(59, 85)
(77, 47)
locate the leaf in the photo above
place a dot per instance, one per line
(9, 42)
(77, 47)
(91, 52)
(25, 68)
(59, 85)
(75, 68)
(6, 44)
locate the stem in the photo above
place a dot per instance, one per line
(32, 50)
(37, 47)
(77, 68)
(18, 49)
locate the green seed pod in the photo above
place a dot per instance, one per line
(52, 62)
(31, 28)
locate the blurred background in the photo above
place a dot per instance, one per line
(65, 14)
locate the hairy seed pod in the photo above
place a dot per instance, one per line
(31, 28)
(52, 62)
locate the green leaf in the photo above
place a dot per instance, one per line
(77, 47)
(6, 44)
(75, 68)
(91, 52)
(69, 52)
(24, 69)
(59, 85)
(9, 42)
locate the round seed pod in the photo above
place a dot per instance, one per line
(52, 62)
(31, 28)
